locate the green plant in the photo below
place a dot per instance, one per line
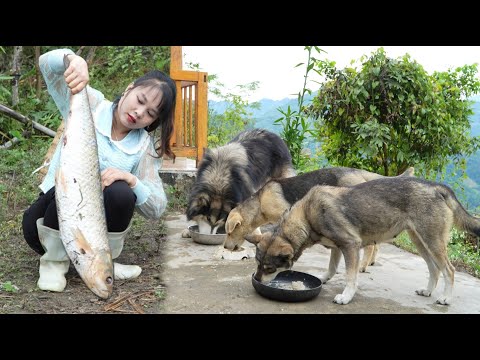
(404, 242)
(295, 122)
(461, 253)
(236, 116)
(8, 287)
(177, 198)
(114, 67)
(160, 293)
(391, 114)
(18, 186)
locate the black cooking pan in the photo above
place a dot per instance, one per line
(289, 286)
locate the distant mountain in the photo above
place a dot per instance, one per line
(268, 112)
(475, 98)
(475, 119)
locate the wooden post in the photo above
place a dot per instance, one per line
(176, 58)
(176, 63)
(188, 80)
(202, 115)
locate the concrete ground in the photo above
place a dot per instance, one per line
(199, 284)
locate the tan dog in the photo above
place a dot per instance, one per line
(348, 218)
(269, 203)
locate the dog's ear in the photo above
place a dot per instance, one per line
(234, 219)
(287, 251)
(409, 172)
(203, 200)
(197, 204)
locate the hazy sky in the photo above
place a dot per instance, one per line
(274, 66)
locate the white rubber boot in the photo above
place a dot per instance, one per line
(54, 263)
(121, 272)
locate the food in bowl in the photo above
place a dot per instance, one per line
(289, 286)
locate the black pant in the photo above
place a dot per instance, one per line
(118, 198)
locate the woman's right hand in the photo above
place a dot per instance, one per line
(76, 75)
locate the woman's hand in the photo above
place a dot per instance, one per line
(76, 75)
(110, 175)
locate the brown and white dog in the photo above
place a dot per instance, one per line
(229, 174)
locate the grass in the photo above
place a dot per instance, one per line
(177, 198)
(461, 252)
(8, 287)
(160, 293)
(18, 187)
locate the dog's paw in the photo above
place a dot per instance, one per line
(443, 300)
(423, 292)
(186, 233)
(324, 278)
(363, 269)
(342, 299)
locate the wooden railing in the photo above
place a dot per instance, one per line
(191, 111)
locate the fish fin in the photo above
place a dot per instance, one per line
(60, 180)
(81, 242)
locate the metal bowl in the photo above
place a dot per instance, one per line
(282, 287)
(207, 239)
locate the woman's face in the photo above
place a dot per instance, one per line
(138, 107)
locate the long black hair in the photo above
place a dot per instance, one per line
(165, 119)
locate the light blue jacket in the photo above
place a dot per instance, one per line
(131, 154)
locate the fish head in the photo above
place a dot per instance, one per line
(94, 264)
(100, 277)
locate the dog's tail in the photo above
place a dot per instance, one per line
(462, 219)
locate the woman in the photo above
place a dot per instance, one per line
(128, 156)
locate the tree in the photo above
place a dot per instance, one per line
(237, 115)
(391, 114)
(112, 68)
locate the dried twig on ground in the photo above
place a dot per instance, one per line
(130, 299)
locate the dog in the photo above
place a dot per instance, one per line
(269, 203)
(348, 218)
(229, 174)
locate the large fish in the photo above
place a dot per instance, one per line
(79, 198)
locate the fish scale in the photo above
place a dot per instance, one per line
(79, 198)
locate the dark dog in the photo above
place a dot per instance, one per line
(229, 174)
(348, 218)
(268, 204)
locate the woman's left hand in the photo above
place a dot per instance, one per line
(76, 75)
(110, 175)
